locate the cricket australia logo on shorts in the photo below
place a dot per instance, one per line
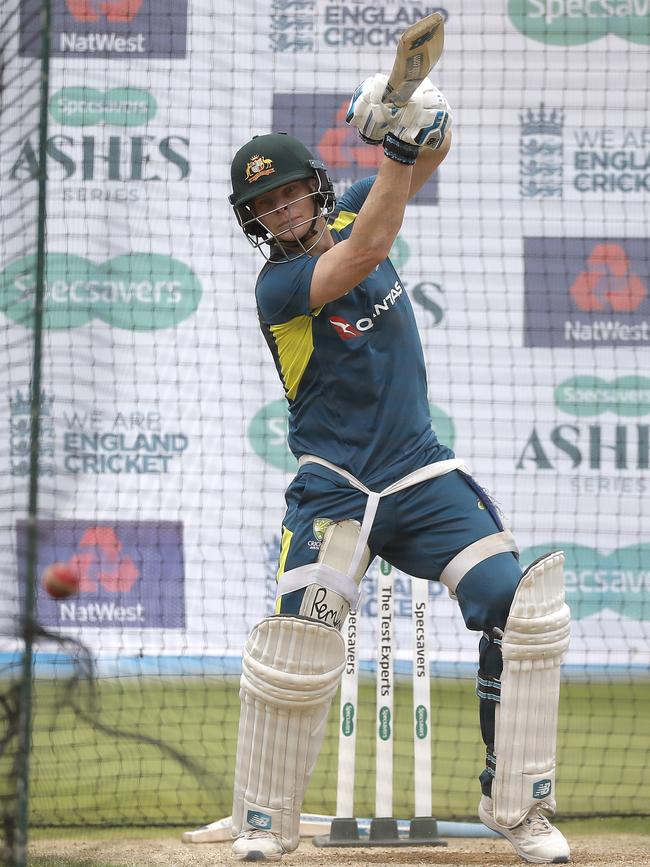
(542, 788)
(319, 526)
(259, 820)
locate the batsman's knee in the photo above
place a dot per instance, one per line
(484, 577)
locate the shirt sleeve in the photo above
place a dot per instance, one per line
(354, 197)
(283, 290)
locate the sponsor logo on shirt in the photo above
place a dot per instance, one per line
(343, 328)
(347, 331)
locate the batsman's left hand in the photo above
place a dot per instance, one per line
(368, 113)
(423, 121)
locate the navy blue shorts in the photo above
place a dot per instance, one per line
(417, 530)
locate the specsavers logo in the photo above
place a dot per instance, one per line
(573, 22)
(137, 292)
(86, 106)
(593, 396)
(595, 581)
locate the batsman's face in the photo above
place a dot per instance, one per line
(286, 211)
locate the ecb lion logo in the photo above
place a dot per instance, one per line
(116, 11)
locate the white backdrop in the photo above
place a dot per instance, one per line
(163, 432)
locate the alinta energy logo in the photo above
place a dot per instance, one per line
(575, 22)
(132, 573)
(136, 292)
(103, 150)
(606, 443)
(269, 427)
(318, 119)
(116, 29)
(618, 581)
(584, 292)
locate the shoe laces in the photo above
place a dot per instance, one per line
(537, 823)
(257, 833)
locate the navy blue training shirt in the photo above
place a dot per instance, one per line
(353, 370)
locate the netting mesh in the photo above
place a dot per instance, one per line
(163, 456)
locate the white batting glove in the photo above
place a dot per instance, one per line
(425, 119)
(369, 114)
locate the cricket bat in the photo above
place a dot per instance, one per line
(418, 50)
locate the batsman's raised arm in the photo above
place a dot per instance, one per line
(415, 140)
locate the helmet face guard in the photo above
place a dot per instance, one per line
(266, 163)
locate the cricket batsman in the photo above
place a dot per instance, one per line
(374, 481)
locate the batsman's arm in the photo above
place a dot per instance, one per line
(347, 263)
(427, 162)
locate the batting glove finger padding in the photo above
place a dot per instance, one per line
(368, 113)
(425, 119)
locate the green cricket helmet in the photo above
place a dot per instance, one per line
(270, 161)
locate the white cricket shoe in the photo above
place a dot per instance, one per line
(534, 839)
(257, 846)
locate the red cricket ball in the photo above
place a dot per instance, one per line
(60, 581)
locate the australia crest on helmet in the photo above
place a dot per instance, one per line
(258, 167)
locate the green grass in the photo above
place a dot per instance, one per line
(82, 773)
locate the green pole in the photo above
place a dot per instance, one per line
(27, 628)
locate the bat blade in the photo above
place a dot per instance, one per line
(418, 50)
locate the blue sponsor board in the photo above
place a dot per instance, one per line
(318, 120)
(132, 573)
(117, 29)
(586, 292)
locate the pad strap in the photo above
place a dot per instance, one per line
(431, 471)
(468, 558)
(323, 575)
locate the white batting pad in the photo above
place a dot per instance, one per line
(534, 642)
(291, 670)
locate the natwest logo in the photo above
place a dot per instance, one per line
(607, 283)
(113, 10)
(101, 561)
(132, 572)
(107, 28)
(585, 292)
